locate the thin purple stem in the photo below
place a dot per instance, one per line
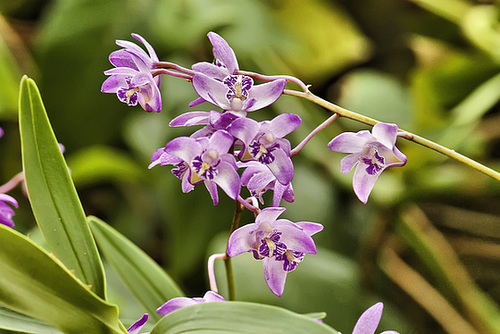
(211, 270)
(171, 73)
(249, 206)
(168, 65)
(289, 78)
(12, 183)
(313, 133)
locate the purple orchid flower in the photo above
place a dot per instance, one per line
(132, 80)
(180, 302)
(280, 243)
(204, 160)
(259, 179)
(369, 320)
(264, 142)
(137, 326)
(372, 152)
(6, 212)
(220, 83)
(1, 132)
(213, 121)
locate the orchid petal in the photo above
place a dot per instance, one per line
(136, 326)
(275, 275)
(283, 124)
(363, 183)
(350, 142)
(191, 118)
(281, 167)
(223, 52)
(228, 179)
(268, 215)
(211, 70)
(310, 228)
(185, 148)
(174, 304)
(211, 90)
(242, 240)
(264, 94)
(368, 321)
(385, 133)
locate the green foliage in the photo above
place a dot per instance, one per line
(44, 289)
(53, 197)
(237, 317)
(147, 281)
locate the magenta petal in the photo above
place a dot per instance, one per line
(211, 70)
(174, 304)
(349, 161)
(113, 83)
(223, 52)
(221, 141)
(9, 199)
(281, 167)
(274, 274)
(228, 179)
(242, 240)
(264, 94)
(363, 183)
(310, 228)
(268, 215)
(211, 90)
(385, 133)
(350, 142)
(191, 118)
(185, 148)
(212, 189)
(294, 237)
(211, 297)
(245, 129)
(151, 51)
(368, 321)
(136, 326)
(283, 124)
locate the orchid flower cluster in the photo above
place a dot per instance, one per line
(230, 150)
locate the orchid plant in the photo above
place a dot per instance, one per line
(229, 150)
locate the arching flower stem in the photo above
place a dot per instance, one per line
(402, 133)
(171, 73)
(313, 133)
(12, 183)
(173, 66)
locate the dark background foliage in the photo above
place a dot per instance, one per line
(427, 244)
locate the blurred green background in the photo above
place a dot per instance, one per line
(427, 244)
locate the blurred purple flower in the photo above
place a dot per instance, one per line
(137, 326)
(264, 142)
(204, 160)
(132, 80)
(369, 320)
(259, 179)
(371, 152)
(1, 132)
(280, 244)
(180, 302)
(6, 212)
(220, 84)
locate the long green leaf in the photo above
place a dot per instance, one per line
(53, 197)
(238, 317)
(34, 283)
(18, 322)
(147, 281)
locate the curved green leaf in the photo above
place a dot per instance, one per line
(35, 284)
(53, 197)
(147, 281)
(238, 317)
(18, 322)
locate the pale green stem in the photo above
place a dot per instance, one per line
(405, 134)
